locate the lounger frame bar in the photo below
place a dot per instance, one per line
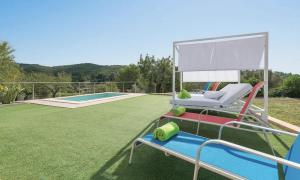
(216, 124)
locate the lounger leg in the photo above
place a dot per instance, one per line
(269, 143)
(196, 172)
(131, 152)
(198, 127)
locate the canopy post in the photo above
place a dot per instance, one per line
(181, 74)
(266, 78)
(239, 76)
(173, 84)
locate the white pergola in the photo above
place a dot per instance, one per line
(221, 59)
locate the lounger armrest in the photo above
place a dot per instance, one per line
(264, 129)
(218, 110)
(229, 112)
(248, 150)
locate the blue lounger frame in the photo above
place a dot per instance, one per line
(291, 164)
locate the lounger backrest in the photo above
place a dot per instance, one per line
(293, 155)
(207, 86)
(234, 92)
(250, 98)
(215, 86)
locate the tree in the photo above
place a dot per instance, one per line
(54, 88)
(9, 70)
(130, 73)
(164, 74)
(44, 89)
(147, 73)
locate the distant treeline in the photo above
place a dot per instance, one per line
(150, 74)
(78, 72)
(155, 75)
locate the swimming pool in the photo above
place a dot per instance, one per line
(81, 98)
(84, 100)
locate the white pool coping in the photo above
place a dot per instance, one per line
(73, 104)
(61, 99)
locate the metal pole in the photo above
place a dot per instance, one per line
(123, 86)
(33, 91)
(110, 86)
(94, 88)
(221, 37)
(239, 76)
(181, 76)
(79, 88)
(173, 85)
(135, 87)
(266, 78)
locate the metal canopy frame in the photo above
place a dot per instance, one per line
(241, 36)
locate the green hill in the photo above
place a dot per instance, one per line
(79, 72)
(35, 68)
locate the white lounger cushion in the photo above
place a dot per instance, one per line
(234, 92)
(213, 94)
(197, 100)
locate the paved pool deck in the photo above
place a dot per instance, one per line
(65, 104)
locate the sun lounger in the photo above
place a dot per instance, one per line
(232, 93)
(226, 158)
(207, 86)
(215, 86)
(217, 120)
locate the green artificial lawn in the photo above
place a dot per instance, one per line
(286, 109)
(40, 142)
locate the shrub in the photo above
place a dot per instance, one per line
(253, 81)
(192, 86)
(8, 94)
(291, 86)
(276, 92)
(107, 87)
(3, 90)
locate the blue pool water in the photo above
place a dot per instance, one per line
(91, 97)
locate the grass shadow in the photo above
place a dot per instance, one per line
(122, 152)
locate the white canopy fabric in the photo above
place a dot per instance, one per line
(236, 54)
(211, 76)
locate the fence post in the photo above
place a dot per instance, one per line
(94, 88)
(123, 86)
(135, 87)
(32, 91)
(79, 88)
(110, 87)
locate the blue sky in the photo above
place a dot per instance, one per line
(57, 32)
